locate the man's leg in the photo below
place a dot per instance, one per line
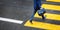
(42, 14)
(35, 10)
(31, 18)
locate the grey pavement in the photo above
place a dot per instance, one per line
(21, 10)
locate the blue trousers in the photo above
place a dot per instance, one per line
(37, 6)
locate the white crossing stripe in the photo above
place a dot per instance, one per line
(11, 20)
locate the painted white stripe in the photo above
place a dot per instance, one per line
(11, 20)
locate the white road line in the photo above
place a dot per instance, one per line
(11, 20)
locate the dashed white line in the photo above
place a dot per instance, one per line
(11, 20)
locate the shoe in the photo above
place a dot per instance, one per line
(43, 18)
(31, 21)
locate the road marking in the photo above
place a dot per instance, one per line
(51, 7)
(11, 20)
(53, 0)
(49, 16)
(42, 25)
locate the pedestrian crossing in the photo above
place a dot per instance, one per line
(53, 0)
(50, 16)
(44, 25)
(51, 7)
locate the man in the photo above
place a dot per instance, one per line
(37, 6)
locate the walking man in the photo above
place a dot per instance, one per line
(37, 6)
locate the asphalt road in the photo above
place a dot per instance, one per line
(20, 10)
